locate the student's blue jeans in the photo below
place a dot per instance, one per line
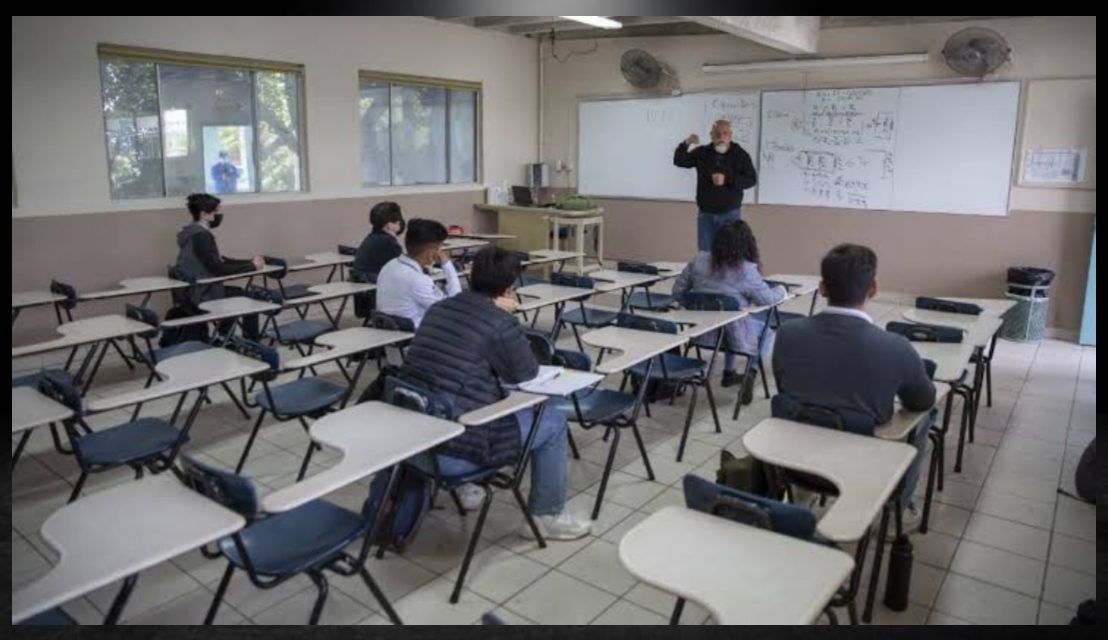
(919, 440)
(549, 464)
(707, 223)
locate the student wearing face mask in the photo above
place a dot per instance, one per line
(723, 170)
(381, 244)
(198, 257)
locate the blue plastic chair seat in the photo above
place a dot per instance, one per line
(294, 541)
(676, 368)
(301, 330)
(292, 291)
(179, 349)
(597, 406)
(301, 397)
(128, 442)
(32, 380)
(589, 317)
(708, 341)
(52, 617)
(787, 519)
(655, 302)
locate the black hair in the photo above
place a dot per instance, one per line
(423, 233)
(848, 271)
(199, 203)
(383, 213)
(494, 271)
(732, 245)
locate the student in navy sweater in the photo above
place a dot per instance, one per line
(840, 360)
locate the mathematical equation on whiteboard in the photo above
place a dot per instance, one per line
(834, 146)
(740, 111)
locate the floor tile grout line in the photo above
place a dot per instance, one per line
(1057, 502)
(961, 535)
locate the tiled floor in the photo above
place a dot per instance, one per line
(1004, 548)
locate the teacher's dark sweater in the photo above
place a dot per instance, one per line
(735, 165)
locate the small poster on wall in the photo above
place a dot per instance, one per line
(1054, 165)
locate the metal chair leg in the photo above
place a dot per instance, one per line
(675, 617)
(219, 593)
(471, 547)
(320, 582)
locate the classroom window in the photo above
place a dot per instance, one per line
(181, 123)
(418, 130)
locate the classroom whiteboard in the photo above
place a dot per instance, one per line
(945, 148)
(625, 146)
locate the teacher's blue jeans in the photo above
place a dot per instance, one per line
(707, 223)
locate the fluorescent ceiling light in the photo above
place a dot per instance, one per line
(814, 63)
(595, 21)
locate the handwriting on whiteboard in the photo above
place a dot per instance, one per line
(738, 110)
(660, 115)
(835, 146)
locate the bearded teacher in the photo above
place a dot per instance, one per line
(723, 170)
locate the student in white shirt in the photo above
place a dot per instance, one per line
(404, 286)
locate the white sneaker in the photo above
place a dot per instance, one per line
(564, 526)
(471, 496)
(910, 520)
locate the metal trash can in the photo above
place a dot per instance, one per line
(1030, 288)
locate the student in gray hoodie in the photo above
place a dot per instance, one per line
(198, 257)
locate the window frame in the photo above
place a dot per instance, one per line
(111, 52)
(448, 85)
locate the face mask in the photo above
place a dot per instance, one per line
(216, 221)
(722, 147)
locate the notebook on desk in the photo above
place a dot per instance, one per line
(557, 381)
(546, 374)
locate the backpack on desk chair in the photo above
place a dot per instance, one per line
(414, 492)
(364, 303)
(745, 474)
(410, 502)
(787, 407)
(183, 307)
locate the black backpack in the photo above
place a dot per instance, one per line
(414, 490)
(746, 474)
(364, 303)
(411, 501)
(376, 389)
(177, 335)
